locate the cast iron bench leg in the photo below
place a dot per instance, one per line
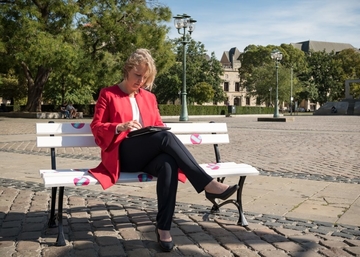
(52, 219)
(238, 203)
(60, 241)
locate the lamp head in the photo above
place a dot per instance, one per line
(191, 26)
(276, 55)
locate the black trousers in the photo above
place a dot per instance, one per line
(161, 154)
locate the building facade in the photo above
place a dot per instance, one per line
(236, 94)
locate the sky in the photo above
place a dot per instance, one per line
(224, 24)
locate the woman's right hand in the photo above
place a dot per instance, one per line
(129, 125)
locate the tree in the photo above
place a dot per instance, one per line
(350, 64)
(33, 34)
(325, 74)
(61, 47)
(258, 73)
(203, 93)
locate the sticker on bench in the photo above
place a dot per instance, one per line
(78, 125)
(82, 181)
(195, 139)
(145, 177)
(213, 166)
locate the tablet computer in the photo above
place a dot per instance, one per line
(146, 130)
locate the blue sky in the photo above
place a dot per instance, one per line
(223, 24)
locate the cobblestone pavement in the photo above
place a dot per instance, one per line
(319, 148)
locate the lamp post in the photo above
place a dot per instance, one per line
(291, 88)
(277, 56)
(270, 95)
(187, 24)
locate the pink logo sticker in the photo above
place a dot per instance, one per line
(81, 181)
(78, 125)
(213, 166)
(145, 177)
(195, 139)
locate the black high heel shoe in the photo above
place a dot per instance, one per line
(223, 196)
(165, 246)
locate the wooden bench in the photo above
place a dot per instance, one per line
(59, 135)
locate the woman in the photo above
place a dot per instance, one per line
(128, 106)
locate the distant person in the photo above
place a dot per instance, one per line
(64, 111)
(72, 110)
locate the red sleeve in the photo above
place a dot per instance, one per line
(102, 129)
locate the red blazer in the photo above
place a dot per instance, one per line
(113, 107)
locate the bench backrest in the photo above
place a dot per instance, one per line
(79, 134)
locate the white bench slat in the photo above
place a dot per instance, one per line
(84, 128)
(66, 141)
(81, 177)
(89, 141)
(83, 171)
(62, 128)
(197, 127)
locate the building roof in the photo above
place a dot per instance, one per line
(230, 58)
(319, 46)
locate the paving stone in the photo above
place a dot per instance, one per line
(306, 254)
(246, 253)
(107, 240)
(85, 253)
(259, 245)
(332, 243)
(112, 250)
(129, 233)
(273, 253)
(335, 252)
(7, 251)
(83, 244)
(289, 246)
(246, 235)
(139, 252)
(63, 251)
(27, 245)
(27, 253)
(28, 235)
(192, 250)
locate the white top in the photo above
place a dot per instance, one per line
(135, 110)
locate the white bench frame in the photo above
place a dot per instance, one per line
(61, 135)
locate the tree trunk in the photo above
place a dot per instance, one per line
(35, 87)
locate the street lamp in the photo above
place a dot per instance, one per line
(186, 23)
(270, 95)
(291, 89)
(277, 56)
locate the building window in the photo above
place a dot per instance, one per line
(237, 86)
(247, 100)
(226, 86)
(257, 100)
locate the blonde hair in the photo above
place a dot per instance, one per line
(138, 57)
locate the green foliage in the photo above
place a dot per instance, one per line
(10, 88)
(203, 93)
(174, 110)
(325, 74)
(200, 68)
(349, 60)
(69, 50)
(258, 72)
